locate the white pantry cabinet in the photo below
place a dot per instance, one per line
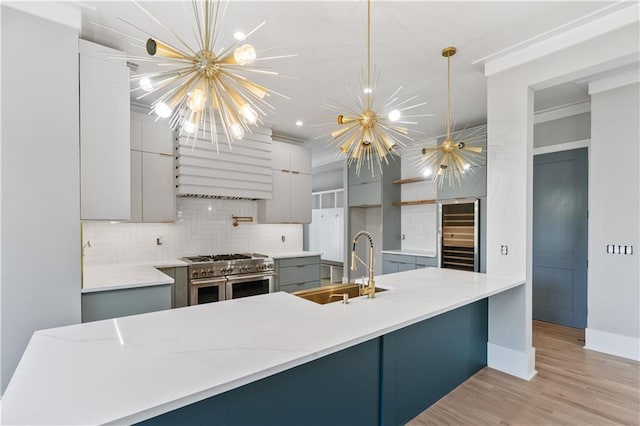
(104, 133)
(153, 197)
(291, 197)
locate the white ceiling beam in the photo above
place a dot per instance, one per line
(613, 82)
(627, 15)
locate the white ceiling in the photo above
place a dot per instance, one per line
(329, 38)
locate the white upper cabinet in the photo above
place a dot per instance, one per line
(291, 198)
(104, 134)
(153, 194)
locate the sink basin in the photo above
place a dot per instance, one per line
(331, 293)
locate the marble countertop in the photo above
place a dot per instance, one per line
(294, 254)
(129, 369)
(117, 276)
(409, 252)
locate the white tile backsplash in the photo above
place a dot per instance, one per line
(419, 222)
(202, 226)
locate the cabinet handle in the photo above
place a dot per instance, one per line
(295, 172)
(284, 171)
(166, 154)
(300, 266)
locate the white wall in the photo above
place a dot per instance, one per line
(40, 277)
(509, 179)
(614, 218)
(563, 130)
(202, 226)
(326, 179)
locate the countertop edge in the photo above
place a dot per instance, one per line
(289, 255)
(242, 381)
(411, 253)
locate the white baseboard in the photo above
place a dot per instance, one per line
(613, 344)
(510, 361)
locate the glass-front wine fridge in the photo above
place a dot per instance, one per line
(458, 234)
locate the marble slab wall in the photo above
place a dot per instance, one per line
(202, 226)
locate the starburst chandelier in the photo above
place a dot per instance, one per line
(202, 84)
(367, 133)
(457, 156)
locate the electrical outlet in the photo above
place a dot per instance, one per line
(504, 250)
(159, 241)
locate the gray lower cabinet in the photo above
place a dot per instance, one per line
(179, 290)
(297, 273)
(100, 305)
(400, 262)
(425, 262)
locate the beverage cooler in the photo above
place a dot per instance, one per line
(458, 234)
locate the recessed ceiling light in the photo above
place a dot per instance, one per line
(239, 35)
(299, 123)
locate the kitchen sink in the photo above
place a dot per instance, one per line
(331, 293)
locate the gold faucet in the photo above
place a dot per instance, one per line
(370, 290)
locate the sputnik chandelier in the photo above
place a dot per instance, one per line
(367, 133)
(201, 84)
(456, 157)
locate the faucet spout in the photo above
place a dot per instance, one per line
(370, 290)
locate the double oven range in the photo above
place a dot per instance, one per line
(213, 278)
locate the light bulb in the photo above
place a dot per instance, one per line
(239, 35)
(367, 138)
(427, 172)
(367, 90)
(196, 99)
(249, 114)
(189, 127)
(163, 110)
(466, 167)
(245, 54)
(299, 123)
(236, 130)
(146, 84)
(394, 115)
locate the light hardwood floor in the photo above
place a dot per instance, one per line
(573, 386)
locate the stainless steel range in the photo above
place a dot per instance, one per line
(213, 278)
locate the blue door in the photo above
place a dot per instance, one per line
(560, 196)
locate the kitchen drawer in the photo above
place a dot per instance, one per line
(425, 262)
(399, 258)
(295, 261)
(298, 274)
(300, 286)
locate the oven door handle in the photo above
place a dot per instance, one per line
(207, 281)
(249, 277)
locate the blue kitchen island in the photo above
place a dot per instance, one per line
(274, 359)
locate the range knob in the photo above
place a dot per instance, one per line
(194, 274)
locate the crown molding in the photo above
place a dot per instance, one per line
(562, 111)
(579, 30)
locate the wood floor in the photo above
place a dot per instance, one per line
(573, 386)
